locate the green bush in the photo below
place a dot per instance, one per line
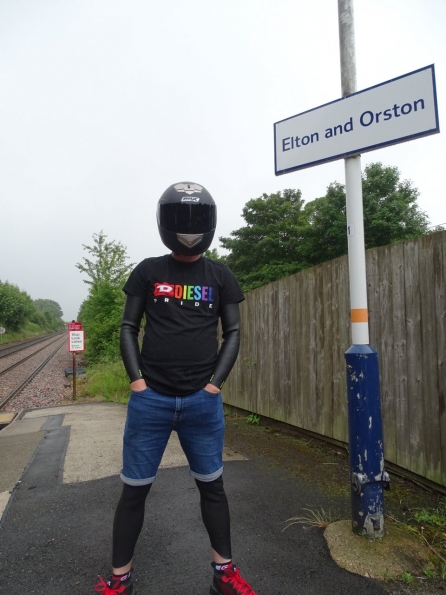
(101, 315)
(15, 306)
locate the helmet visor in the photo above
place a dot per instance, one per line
(187, 218)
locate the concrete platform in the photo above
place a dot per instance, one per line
(60, 481)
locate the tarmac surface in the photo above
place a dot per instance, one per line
(59, 485)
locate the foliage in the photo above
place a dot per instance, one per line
(101, 315)
(435, 517)
(326, 234)
(49, 306)
(253, 419)
(101, 312)
(109, 262)
(390, 210)
(27, 331)
(16, 306)
(22, 317)
(429, 525)
(108, 380)
(283, 236)
(48, 314)
(214, 255)
(407, 577)
(270, 245)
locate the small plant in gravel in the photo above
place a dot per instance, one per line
(253, 419)
(406, 577)
(435, 517)
(429, 525)
(315, 518)
(389, 576)
(429, 573)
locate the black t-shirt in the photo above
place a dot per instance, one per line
(182, 309)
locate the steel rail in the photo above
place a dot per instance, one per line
(21, 386)
(26, 358)
(5, 350)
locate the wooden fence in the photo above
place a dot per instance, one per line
(295, 332)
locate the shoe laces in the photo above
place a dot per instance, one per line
(105, 587)
(241, 587)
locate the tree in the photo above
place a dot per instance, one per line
(101, 315)
(16, 306)
(270, 245)
(282, 236)
(109, 264)
(101, 312)
(48, 314)
(391, 214)
(326, 232)
(214, 255)
(49, 306)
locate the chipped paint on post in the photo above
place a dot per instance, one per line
(368, 475)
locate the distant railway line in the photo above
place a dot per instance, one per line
(15, 346)
(21, 362)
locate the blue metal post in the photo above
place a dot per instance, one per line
(368, 476)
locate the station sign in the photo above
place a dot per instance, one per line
(76, 341)
(75, 326)
(392, 112)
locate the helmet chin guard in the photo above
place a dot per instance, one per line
(190, 240)
(187, 218)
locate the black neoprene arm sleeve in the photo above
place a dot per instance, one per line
(230, 324)
(131, 320)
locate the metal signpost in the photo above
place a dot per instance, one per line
(76, 343)
(2, 332)
(399, 110)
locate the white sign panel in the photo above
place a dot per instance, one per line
(76, 341)
(395, 111)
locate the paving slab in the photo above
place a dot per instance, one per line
(15, 453)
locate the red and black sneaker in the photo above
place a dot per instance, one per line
(114, 586)
(229, 582)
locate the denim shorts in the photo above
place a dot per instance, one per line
(197, 418)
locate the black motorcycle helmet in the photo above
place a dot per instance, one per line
(187, 217)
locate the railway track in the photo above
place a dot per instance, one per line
(23, 362)
(9, 348)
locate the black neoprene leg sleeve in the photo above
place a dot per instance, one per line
(127, 525)
(215, 513)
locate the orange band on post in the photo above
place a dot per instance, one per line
(359, 315)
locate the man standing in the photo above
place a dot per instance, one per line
(176, 379)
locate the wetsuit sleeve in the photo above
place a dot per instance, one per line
(230, 323)
(131, 320)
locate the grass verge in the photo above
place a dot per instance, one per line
(29, 331)
(107, 380)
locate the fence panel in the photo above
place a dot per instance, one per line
(295, 332)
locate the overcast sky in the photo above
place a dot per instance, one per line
(105, 103)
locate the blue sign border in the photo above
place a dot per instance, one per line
(402, 139)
